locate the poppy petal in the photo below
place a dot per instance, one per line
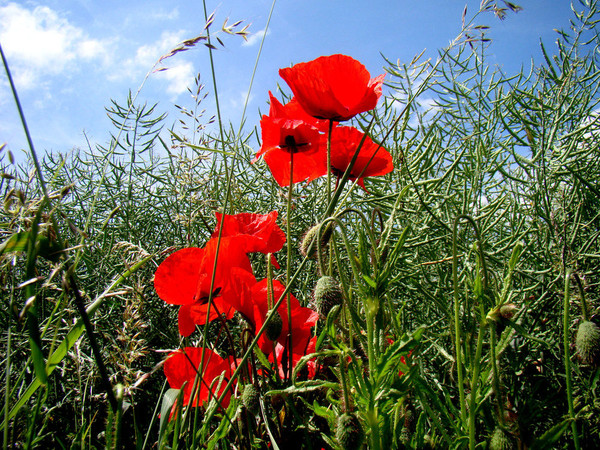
(177, 277)
(335, 87)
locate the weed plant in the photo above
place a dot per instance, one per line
(462, 277)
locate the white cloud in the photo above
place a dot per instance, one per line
(161, 14)
(255, 38)
(147, 55)
(178, 77)
(38, 42)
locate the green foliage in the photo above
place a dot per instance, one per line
(446, 327)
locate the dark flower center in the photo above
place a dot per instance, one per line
(203, 300)
(291, 145)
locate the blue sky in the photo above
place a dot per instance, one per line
(69, 58)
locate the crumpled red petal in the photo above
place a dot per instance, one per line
(335, 87)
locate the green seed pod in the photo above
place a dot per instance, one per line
(274, 327)
(501, 440)
(250, 398)
(587, 342)
(349, 432)
(327, 294)
(311, 235)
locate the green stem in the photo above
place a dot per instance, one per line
(372, 415)
(457, 337)
(288, 268)
(7, 373)
(496, 374)
(566, 322)
(475, 381)
(93, 344)
(329, 161)
(584, 306)
(343, 369)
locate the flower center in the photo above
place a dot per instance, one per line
(291, 145)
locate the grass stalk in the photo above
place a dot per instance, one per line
(567, 357)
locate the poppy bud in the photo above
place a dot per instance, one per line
(311, 235)
(327, 294)
(274, 327)
(349, 432)
(501, 440)
(587, 342)
(508, 310)
(407, 429)
(250, 398)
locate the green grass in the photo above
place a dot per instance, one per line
(476, 256)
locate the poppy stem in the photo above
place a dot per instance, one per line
(288, 268)
(329, 161)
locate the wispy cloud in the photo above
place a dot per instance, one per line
(39, 42)
(146, 56)
(255, 38)
(178, 78)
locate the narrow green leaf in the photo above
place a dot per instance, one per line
(168, 400)
(369, 281)
(548, 439)
(16, 243)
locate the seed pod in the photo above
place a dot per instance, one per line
(587, 342)
(250, 398)
(327, 294)
(349, 432)
(274, 327)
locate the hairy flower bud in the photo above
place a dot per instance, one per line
(587, 342)
(311, 235)
(349, 432)
(501, 440)
(274, 327)
(250, 398)
(327, 294)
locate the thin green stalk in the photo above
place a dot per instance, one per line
(584, 306)
(36, 413)
(94, 344)
(214, 81)
(270, 301)
(288, 269)
(457, 336)
(496, 374)
(475, 381)
(567, 356)
(329, 161)
(372, 414)
(7, 373)
(343, 369)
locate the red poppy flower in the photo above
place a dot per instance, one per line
(302, 318)
(184, 366)
(297, 353)
(344, 142)
(287, 131)
(257, 232)
(184, 278)
(335, 87)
